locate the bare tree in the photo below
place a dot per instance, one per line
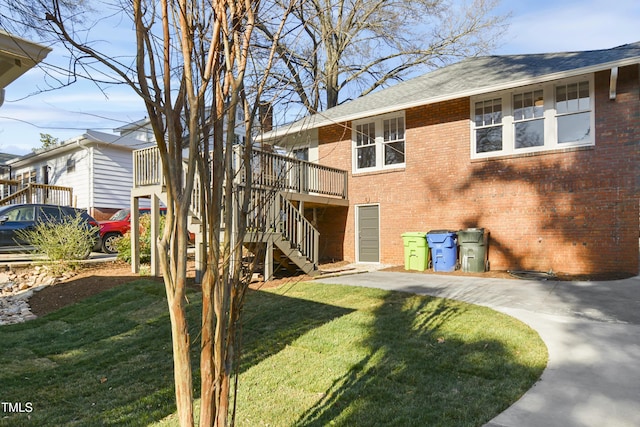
(189, 67)
(356, 46)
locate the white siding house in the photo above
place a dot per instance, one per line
(96, 165)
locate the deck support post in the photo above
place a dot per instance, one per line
(268, 260)
(135, 235)
(155, 231)
(200, 255)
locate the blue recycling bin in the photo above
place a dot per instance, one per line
(444, 249)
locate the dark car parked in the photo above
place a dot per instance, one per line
(27, 216)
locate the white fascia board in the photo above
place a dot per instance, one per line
(19, 48)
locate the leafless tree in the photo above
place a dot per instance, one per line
(335, 50)
(189, 67)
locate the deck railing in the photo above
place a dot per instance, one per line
(147, 168)
(41, 193)
(273, 170)
(270, 170)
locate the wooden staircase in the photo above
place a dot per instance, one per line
(288, 236)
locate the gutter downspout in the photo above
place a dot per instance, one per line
(90, 171)
(613, 82)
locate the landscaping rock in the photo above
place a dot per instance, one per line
(16, 289)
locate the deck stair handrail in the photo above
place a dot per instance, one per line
(297, 230)
(41, 193)
(271, 213)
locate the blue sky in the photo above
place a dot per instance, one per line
(535, 27)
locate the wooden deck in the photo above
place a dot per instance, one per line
(38, 193)
(281, 188)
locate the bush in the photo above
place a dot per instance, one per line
(64, 242)
(124, 243)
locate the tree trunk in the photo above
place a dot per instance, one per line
(207, 369)
(181, 359)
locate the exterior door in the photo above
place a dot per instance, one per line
(368, 233)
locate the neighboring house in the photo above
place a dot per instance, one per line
(96, 165)
(17, 56)
(541, 150)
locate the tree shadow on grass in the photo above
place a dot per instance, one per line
(107, 360)
(271, 322)
(420, 370)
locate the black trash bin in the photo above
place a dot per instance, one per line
(473, 250)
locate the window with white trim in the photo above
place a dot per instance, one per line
(379, 143)
(528, 119)
(544, 117)
(365, 146)
(71, 165)
(488, 125)
(573, 110)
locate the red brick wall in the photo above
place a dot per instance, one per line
(574, 211)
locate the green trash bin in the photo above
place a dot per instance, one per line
(473, 250)
(416, 251)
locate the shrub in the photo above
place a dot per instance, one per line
(124, 243)
(64, 241)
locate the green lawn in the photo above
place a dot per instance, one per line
(314, 355)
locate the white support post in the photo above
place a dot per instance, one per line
(268, 260)
(200, 255)
(301, 232)
(155, 231)
(135, 236)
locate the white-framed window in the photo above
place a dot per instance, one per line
(71, 165)
(541, 117)
(573, 112)
(301, 153)
(379, 143)
(488, 125)
(528, 119)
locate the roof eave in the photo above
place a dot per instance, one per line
(468, 93)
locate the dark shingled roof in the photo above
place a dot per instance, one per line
(5, 157)
(470, 77)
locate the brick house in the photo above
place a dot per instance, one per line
(541, 150)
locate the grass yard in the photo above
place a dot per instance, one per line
(314, 355)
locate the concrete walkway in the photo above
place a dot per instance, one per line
(591, 329)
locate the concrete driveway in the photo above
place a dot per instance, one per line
(591, 329)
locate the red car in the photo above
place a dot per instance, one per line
(115, 227)
(119, 223)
